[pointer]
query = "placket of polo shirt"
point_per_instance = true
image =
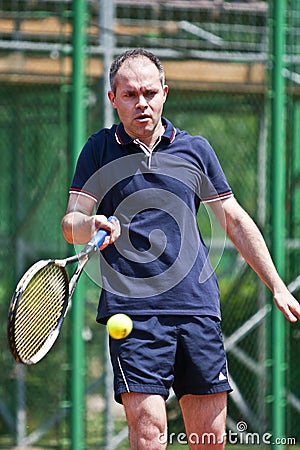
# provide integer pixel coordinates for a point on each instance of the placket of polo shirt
(148, 151)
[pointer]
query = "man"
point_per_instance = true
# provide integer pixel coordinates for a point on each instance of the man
(153, 177)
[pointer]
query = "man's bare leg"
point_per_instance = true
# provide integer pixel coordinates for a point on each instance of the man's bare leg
(147, 421)
(205, 420)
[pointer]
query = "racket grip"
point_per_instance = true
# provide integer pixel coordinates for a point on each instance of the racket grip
(99, 238)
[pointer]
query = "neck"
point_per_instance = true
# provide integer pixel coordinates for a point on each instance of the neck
(151, 139)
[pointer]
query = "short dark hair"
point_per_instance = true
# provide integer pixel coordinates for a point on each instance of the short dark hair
(131, 54)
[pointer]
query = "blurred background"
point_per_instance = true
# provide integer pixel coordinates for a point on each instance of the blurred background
(230, 81)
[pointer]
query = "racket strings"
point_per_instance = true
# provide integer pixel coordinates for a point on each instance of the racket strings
(39, 310)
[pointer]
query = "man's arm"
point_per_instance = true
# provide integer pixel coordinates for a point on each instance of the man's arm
(79, 224)
(248, 240)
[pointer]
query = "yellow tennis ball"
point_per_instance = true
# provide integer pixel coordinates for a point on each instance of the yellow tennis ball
(119, 326)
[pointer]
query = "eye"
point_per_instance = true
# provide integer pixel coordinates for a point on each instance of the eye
(150, 93)
(128, 94)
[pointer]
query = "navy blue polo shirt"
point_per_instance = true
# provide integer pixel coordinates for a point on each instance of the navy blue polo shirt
(160, 264)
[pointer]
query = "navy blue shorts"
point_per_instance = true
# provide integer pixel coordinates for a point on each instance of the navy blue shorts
(162, 352)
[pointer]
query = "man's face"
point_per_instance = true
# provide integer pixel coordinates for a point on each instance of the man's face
(139, 98)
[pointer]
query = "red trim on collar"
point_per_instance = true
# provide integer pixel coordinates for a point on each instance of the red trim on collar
(118, 137)
(173, 135)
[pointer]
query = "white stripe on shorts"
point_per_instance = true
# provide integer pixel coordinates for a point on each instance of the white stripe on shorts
(123, 375)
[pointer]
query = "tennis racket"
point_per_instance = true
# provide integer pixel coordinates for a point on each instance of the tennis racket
(41, 301)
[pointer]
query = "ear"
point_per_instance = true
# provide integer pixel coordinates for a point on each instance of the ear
(166, 90)
(111, 97)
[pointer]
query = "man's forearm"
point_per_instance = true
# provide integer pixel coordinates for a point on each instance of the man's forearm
(250, 243)
(248, 240)
(77, 227)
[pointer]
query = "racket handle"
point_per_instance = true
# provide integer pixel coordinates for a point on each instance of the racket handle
(99, 238)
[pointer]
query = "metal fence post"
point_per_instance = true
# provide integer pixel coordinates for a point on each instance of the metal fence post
(107, 39)
(278, 167)
(77, 139)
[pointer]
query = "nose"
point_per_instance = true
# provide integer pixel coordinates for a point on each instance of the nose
(142, 102)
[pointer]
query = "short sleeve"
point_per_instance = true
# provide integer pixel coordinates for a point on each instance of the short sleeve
(85, 178)
(213, 184)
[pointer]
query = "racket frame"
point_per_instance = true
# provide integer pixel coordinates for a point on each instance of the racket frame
(81, 258)
(20, 289)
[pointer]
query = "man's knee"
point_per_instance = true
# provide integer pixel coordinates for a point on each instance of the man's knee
(205, 420)
(146, 418)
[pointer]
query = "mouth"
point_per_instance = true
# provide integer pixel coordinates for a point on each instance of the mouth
(142, 118)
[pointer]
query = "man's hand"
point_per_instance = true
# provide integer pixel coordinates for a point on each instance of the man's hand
(288, 305)
(113, 227)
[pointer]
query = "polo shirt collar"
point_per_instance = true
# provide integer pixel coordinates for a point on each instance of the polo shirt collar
(124, 139)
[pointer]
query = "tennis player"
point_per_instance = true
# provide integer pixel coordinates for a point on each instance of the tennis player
(154, 177)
